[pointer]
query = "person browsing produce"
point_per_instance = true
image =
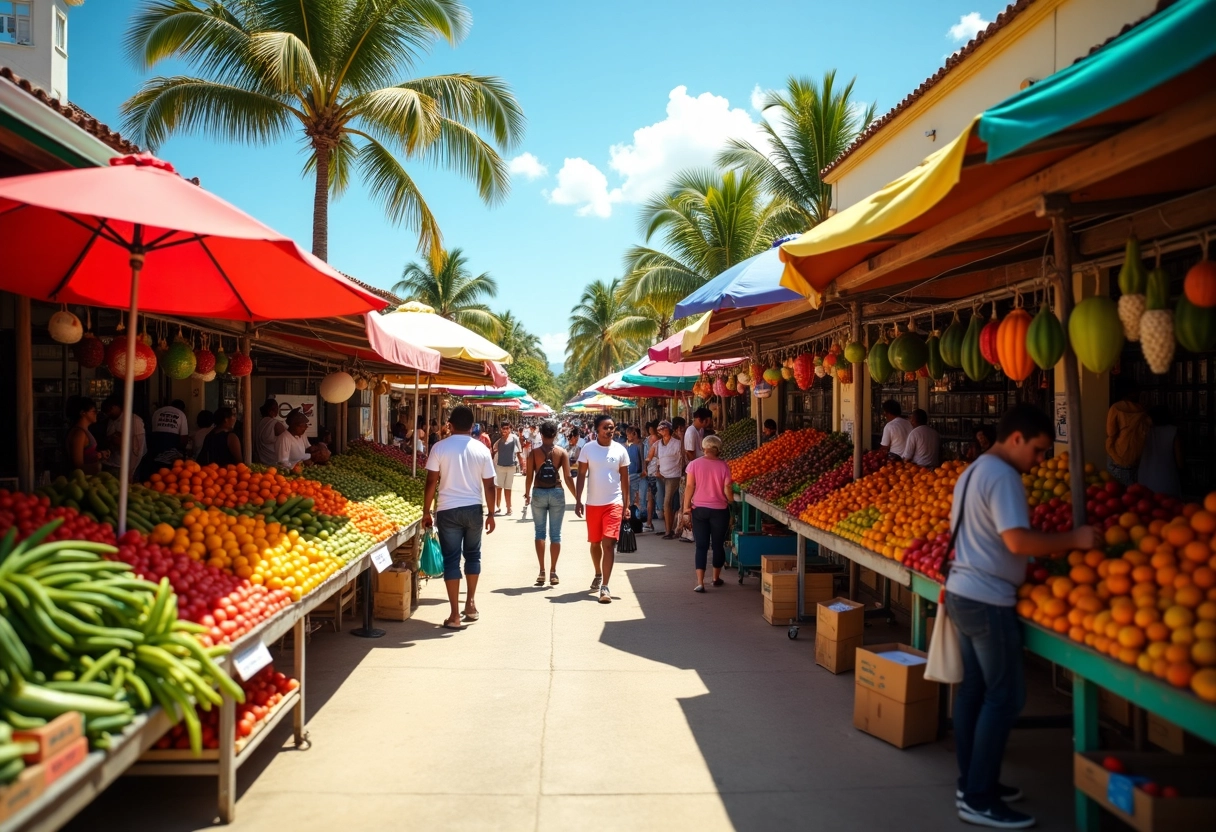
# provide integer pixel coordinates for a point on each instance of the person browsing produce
(991, 520)
(82, 445)
(603, 469)
(707, 498)
(923, 446)
(290, 447)
(668, 452)
(547, 466)
(895, 432)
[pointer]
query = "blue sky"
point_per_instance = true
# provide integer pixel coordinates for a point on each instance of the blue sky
(618, 97)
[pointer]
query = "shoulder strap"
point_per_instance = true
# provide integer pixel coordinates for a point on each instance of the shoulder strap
(962, 508)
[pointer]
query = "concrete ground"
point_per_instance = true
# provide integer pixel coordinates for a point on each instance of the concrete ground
(664, 710)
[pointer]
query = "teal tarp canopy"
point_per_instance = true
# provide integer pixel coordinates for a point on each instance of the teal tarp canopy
(1166, 45)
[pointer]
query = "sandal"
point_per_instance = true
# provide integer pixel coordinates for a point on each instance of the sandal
(718, 582)
(699, 588)
(448, 625)
(553, 579)
(540, 579)
(471, 616)
(596, 581)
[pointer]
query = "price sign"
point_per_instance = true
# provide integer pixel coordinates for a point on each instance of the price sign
(381, 559)
(250, 661)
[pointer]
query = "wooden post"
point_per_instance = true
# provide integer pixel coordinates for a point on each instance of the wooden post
(1072, 380)
(25, 394)
(247, 406)
(858, 390)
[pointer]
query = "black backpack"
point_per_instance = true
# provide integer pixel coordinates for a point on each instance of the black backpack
(546, 474)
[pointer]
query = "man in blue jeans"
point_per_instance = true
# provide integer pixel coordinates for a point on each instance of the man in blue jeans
(993, 539)
(461, 468)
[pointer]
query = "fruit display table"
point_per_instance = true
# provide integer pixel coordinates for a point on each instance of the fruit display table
(223, 763)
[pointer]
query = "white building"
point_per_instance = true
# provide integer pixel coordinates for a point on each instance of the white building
(34, 42)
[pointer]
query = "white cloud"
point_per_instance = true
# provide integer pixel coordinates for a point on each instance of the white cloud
(757, 99)
(581, 183)
(968, 26)
(527, 166)
(692, 134)
(554, 345)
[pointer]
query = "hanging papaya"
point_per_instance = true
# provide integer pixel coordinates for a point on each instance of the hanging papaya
(855, 353)
(878, 363)
(1199, 285)
(1045, 339)
(1011, 345)
(975, 364)
(988, 342)
(804, 371)
(908, 352)
(934, 364)
(952, 343)
(1096, 334)
(1194, 326)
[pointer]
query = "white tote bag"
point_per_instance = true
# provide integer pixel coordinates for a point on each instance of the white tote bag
(945, 663)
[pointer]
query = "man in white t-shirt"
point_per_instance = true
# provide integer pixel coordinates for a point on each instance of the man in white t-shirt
(895, 434)
(269, 428)
(167, 441)
(461, 469)
(291, 447)
(923, 445)
(702, 419)
(112, 409)
(603, 469)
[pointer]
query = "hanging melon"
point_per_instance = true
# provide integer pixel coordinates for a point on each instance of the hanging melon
(221, 361)
(952, 343)
(1157, 324)
(934, 365)
(1194, 326)
(1011, 345)
(773, 376)
(204, 361)
(65, 327)
(1096, 334)
(90, 352)
(116, 359)
(239, 365)
(804, 371)
(1045, 339)
(180, 361)
(787, 373)
(855, 352)
(988, 337)
(908, 352)
(878, 363)
(1199, 285)
(975, 364)
(1132, 281)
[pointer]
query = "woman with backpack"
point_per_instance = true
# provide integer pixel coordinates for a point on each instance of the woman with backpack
(546, 466)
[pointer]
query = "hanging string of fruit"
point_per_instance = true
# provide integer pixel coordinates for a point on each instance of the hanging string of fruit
(1011, 349)
(908, 353)
(90, 352)
(975, 364)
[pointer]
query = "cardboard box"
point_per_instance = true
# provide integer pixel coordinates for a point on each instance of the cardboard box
(53, 737)
(902, 724)
(1192, 775)
(394, 580)
(1114, 707)
(783, 586)
(779, 614)
(838, 625)
(1167, 735)
(23, 791)
(778, 563)
(836, 656)
(895, 671)
(66, 760)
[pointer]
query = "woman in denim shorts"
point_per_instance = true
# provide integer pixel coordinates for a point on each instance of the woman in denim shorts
(546, 466)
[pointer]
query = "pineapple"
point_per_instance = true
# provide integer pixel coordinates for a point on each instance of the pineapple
(1131, 308)
(1157, 339)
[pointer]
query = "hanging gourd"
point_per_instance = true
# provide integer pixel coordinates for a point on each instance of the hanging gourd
(90, 352)
(878, 363)
(116, 358)
(337, 387)
(382, 389)
(988, 339)
(855, 352)
(804, 371)
(1194, 326)
(975, 364)
(908, 352)
(773, 376)
(1157, 323)
(239, 365)
(65, 327)
(762, 389)
(1199, 285)
(1096, 334)
(361, 383)
(180, 361)
(1132, 283)
(934, 365)
(204, 361)
(221, 361)
(1045, 339)
(1011, 345)
(952, 343)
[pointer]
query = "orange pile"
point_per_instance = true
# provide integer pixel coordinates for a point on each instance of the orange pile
(858, 494)
(1153, 607)
(772, 455)
(370, 519)
(236, 485)
(916, 506)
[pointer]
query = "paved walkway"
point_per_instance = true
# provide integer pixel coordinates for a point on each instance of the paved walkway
(664, 710)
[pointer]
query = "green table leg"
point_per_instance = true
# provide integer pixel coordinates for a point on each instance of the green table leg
(1085, 738)
(919, 606)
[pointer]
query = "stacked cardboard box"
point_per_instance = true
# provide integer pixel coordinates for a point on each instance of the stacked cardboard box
(394, 594)
(1121, 794)
(892, 699)
(779, 588)
(839, 623)
(62, 745)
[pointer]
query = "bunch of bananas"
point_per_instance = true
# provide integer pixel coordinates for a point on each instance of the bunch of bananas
(80, 633)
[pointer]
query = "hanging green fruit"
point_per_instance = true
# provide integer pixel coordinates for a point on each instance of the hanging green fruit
(221, 361)
(1045, 339)
(934, 366)
(1157, 324)
(855, 352)
(179, 360)
(975, 365)
(878, 363)
(1132, 282)
(1194, 326)
(1096, 334)
(908, 353)
(952, 343)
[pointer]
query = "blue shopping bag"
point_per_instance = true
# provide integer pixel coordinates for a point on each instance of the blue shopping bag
(431, 562)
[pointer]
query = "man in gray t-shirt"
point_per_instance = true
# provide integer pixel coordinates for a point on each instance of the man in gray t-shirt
(507, 452)
(992, 543)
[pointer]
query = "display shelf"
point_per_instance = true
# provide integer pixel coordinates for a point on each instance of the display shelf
(76, 789)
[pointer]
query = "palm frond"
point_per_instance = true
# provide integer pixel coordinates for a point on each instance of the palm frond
(390, 184)
(285, 61)
(399, 116)
(164, 105)
(214, 39)
(479, 101)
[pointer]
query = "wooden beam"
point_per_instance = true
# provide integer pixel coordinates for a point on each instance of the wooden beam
(1062, 240)
(1192, 211)
(1159, 136)
(247, 406)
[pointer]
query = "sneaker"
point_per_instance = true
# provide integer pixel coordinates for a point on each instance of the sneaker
(998, 816)
(1009, 794)
(595, 582)
(605, 594)
(647, 527)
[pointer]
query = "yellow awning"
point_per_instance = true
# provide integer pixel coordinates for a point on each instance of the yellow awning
(893, 206)
(695, 334)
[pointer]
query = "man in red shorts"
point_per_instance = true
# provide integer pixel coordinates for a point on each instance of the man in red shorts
(603, 467)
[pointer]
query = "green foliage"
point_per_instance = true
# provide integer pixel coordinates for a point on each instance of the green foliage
(606, 332)
(534, 376)
(451, 290)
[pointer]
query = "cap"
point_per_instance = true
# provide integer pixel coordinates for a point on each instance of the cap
(665, 424)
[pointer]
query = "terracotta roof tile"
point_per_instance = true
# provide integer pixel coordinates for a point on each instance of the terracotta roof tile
(73, 114)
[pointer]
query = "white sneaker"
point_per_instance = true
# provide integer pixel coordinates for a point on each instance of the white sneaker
(605, 594)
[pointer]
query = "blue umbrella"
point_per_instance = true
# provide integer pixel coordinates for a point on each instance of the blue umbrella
(754, 282)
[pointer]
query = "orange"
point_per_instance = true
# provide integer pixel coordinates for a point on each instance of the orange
(1166, 575)
(1179, 534)
(1061, 587)
(1083, 574)
(1144, 574)
(1094, 558)
(1156, 650)
(1156, 631)
(1162, 558)
(1160, 666)
(1116, 535)
(1076, 633)
(1209, 502)
(1196, 552)
(1149, 543)
(1179, 674)
(1203, 682)
(1183, 635)
(1177, 616)
(1188, 596)
(1145, 663)
(1146, 616)
(1131, 636)
(1118, 567)
(1177, 653)
(1026, 608)
(1128, 519)
(1089, 603)
(1119, 584)
(1203, 653)
(1054, 607)
(1128, 655)
(1060, 625)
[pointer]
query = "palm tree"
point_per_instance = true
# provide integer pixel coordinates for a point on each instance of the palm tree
(709, 220)
(330, 71)
(452, 291)
(604, 334)
(812, 127)
(517, 340)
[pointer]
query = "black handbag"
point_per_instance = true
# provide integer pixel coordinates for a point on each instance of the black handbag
(628, 541)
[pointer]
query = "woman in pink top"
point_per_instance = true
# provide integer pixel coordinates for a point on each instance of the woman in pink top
(707, 498)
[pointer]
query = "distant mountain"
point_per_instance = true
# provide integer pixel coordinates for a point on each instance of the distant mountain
(556, 367)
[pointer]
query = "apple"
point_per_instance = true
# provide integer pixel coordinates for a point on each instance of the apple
(1114, 764)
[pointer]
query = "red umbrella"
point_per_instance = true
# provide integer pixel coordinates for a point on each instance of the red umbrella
(73, 234)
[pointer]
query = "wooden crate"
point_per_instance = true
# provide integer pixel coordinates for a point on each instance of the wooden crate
(339, 604)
